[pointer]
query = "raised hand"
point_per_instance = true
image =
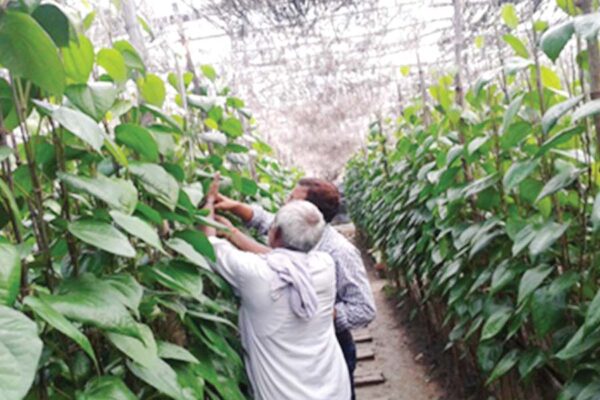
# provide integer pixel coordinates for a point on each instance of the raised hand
(224, 203)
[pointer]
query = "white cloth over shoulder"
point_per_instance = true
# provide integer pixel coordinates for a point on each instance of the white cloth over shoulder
(354, 305)
(293, 271)
(287, 357)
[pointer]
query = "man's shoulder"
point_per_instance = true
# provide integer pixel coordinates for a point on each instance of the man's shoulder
(321, 256)
(334, 242)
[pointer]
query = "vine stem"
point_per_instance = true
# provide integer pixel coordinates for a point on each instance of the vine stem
(37, 207)
(7, 172)
(64, 192)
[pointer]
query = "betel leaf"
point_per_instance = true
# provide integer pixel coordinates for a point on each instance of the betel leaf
(152, 89)
(60, 323)
(128, 291)
(142, 350)
(54, 22)
(511, 112)
(515, 134)
(495, 322)
(190, 382)
(187, 250)
(209, 72)
(160, 376)
(547, 309)
(556, 38)
(554, 113)
(195, 192)
(27, 51)
(518, 172)
(476, 144)
(558, 182)
(78, 59)
(103, 236)
(545, 236)
(20, 351)
(130, 55)
(199, 241)
(592, 317)
(173, 352)
(94, 99)
(531, 280)
(482, 241)
(590, 392)
(149, 213)
(504, 365)
(106, 387)
(119, 194)
(549, 78)
(10, 274)
(182, 279)
(96, 302)
(80, 125)
(529, 361)
(9, 196)
(590, 108)
(214, 137)
(479, 185)
(157, 182)
(186, 78)
(579, 344)
(113, 63)
(517, 45)
(138, 228)
(117, 152)
(232, 127)
(509, 15)
(558, 139)
(139, 139)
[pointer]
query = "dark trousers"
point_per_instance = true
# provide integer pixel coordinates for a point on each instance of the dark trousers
(349, 349)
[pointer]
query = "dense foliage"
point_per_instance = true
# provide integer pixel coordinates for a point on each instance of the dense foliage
(106, 287)
(488, 213)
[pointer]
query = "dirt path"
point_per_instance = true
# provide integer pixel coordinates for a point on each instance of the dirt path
(406, 377)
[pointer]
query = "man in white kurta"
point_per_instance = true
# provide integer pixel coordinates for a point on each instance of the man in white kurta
(288, 356)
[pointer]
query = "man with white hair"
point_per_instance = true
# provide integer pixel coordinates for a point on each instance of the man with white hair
(287, 297)
(354, 304)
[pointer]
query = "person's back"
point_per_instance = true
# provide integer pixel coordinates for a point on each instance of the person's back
(287, 357)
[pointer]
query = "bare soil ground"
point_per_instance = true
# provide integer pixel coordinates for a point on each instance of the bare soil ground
(404, 353)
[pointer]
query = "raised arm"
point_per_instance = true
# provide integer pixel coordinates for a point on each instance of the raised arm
(213, 191)
(242, 210)
(252, 215)
(239, 239)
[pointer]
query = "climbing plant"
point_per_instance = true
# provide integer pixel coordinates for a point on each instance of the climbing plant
(106, 285)
(488, 214)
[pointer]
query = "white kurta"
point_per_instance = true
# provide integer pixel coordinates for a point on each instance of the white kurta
(287, 358)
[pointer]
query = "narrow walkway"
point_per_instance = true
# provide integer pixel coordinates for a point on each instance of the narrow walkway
(405, 377)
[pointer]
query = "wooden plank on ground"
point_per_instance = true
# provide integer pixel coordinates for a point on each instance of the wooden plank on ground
(365, 353)
(363, 336)
(374, 378)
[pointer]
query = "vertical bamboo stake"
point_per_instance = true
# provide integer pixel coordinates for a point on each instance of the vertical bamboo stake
(458, 51)
(594, 62)
(426, 115)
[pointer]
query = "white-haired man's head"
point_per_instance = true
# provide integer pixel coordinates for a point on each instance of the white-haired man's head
(298, 226)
